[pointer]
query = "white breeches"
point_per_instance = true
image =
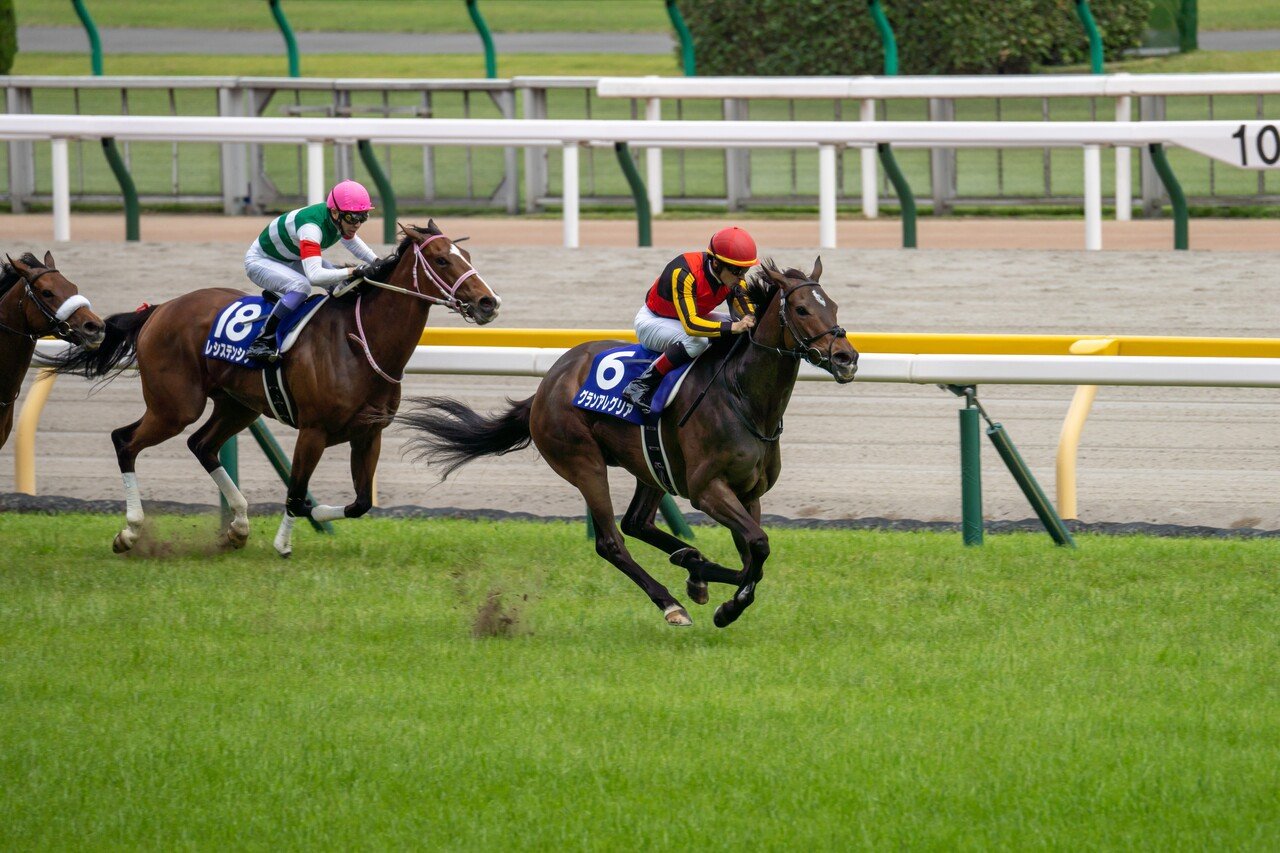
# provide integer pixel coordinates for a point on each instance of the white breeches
(277, 276)
(658, 333)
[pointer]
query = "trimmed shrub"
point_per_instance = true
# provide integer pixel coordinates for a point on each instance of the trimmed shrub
(8, 36)
(786, 37)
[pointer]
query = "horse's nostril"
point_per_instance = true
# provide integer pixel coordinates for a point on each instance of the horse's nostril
(487, 305)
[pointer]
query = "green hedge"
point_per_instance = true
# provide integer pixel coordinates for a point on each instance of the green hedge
(783, 37)
(8, 36)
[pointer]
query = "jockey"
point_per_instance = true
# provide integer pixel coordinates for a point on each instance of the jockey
(285, 259)
(677, 317)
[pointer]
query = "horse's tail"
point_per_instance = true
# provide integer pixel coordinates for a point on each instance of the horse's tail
(449, 432)
(117, 351)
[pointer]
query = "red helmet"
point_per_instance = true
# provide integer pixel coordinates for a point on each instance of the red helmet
(733, 246)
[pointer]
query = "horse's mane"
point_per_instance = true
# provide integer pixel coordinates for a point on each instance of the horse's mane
(761, 288)
(382, 267)
(9, 275)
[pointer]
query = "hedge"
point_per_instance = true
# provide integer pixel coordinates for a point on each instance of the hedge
(785, 37)
(8, 36)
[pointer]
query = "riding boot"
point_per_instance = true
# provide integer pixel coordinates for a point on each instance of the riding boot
(640, 391)
(263, 347)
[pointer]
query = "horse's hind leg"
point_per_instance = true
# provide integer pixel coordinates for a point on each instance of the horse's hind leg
(228, 418)
(638, 522)
(129, 441)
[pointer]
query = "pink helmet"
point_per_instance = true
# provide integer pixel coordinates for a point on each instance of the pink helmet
(349, 196)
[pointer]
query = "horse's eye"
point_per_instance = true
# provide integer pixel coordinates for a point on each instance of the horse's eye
(442, 262)
(802, 311)
(47, 294)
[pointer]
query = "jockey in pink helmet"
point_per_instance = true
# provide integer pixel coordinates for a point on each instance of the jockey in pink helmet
(286, 260)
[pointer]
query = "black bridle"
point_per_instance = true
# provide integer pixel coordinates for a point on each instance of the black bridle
(60, 328)
(804, 348)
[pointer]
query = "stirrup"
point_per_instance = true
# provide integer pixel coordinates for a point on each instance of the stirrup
(260, 350)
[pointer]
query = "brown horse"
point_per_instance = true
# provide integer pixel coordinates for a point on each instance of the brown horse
(724, 459)
(345, 384)
(45, 304)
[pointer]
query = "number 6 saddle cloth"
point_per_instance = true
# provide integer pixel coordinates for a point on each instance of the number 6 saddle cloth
(611, 370)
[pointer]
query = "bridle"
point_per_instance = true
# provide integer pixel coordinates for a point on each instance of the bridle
(804, 348)
(58, 324)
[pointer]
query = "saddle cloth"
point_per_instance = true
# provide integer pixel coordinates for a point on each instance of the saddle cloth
(611, 370)
(239, 322)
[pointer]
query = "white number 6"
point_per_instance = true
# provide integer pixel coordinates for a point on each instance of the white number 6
(610, 371)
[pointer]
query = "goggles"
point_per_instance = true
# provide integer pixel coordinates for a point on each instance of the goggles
(353, 218)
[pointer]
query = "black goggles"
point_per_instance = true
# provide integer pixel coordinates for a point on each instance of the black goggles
(353, 218)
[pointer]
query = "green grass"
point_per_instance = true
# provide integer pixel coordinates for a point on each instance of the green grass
(416, 16)
(887, 690)
(1238, 15)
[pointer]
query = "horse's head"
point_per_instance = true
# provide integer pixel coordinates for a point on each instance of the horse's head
(807, 324)
(50, 304)
(448, 268)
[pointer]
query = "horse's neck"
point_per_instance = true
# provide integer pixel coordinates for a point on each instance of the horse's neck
(764, 377)
(393, 322)
(15, 349)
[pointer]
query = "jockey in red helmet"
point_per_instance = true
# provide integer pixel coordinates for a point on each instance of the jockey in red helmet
(677, 318)
(285, 258)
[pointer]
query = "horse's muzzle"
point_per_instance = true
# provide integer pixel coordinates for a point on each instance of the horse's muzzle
(485, 309)
(844, 365)
(91, 335)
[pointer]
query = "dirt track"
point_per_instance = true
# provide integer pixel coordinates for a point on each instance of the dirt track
(1187, 456)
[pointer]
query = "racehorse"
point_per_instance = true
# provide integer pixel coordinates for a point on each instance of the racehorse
(345, 383)
(45, 304)
(724, 459)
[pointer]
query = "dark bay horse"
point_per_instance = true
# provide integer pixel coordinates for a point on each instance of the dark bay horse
(36, 300)
(344, 375)
(724, 458)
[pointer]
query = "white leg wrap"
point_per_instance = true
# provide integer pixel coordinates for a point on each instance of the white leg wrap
(284, 536)
(235, 499)
(132, 500)
(328, 513)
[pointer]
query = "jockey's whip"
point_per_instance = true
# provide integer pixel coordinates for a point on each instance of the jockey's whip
(723, 362)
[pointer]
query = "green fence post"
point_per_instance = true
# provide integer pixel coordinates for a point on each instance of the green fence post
(906, 198)
(127, 189)
(290, 43)
(1188, 26)
(643, 216)
(275, 455)
(688, 60)
(675, 519)
(1027, 482)
(1176, 198)
(887, 41)
(970, 474)
(91, 29)
(1095, 38)
(229, 456)
(490, 55)
(386, 195)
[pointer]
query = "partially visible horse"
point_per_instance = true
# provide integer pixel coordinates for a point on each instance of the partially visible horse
(724, 459)
(344, 376)
(45, 304)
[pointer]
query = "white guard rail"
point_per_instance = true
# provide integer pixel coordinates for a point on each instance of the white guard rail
(1249, 144)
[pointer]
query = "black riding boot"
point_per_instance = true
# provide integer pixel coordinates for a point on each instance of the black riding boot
(263, 347)
(639, 391)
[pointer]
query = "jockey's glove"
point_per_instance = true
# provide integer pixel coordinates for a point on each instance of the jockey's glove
(361, 271)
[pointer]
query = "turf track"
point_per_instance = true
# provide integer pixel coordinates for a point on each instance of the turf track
(888, 689)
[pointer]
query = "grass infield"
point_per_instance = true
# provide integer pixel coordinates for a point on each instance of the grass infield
(461, 685)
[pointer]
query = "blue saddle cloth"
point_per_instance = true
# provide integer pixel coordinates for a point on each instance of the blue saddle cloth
(611, 370)
(238, 324)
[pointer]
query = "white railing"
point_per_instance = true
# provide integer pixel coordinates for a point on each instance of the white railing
(1251, 144)
(1122, 87)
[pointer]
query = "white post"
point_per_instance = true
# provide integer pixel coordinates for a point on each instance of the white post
(827, 196)
(870, 177)
(315, 172)
(61, 191)
(1092, 198)
(570, 193)
(1124, 177)
(653, 159)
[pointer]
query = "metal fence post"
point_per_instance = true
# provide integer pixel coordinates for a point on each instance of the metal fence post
(970, 474)
(942, 161)
(737, 161)
(1151, 108)
(22, 155)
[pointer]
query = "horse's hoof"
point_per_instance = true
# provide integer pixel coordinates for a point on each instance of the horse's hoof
(697, 591)
(724, 617)
(677, 616)
(124, 540)
(285, 553)
(234, 539)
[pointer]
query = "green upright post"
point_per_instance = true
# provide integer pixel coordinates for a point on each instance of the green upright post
(1027, 482)
(229, 456)
(687, 57)
(275, 455)
(970, 474)
(1095, 38)
(490, 55)
(643, 215)
(290, 43)
(1176, 198)
(127, 189)
(906, 198)
(675, 519)
(386, 195)
(91, 29)
(1188, 26)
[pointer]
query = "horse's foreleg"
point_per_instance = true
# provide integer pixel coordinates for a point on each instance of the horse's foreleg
(718, 501)
(228, 418)
(639, 522)
(306, 456)
(364, 461)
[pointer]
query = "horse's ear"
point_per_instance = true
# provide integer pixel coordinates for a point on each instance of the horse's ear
(431, 227)
(17, 264)
(817, 269)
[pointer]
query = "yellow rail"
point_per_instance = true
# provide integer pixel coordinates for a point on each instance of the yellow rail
(894, 342)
